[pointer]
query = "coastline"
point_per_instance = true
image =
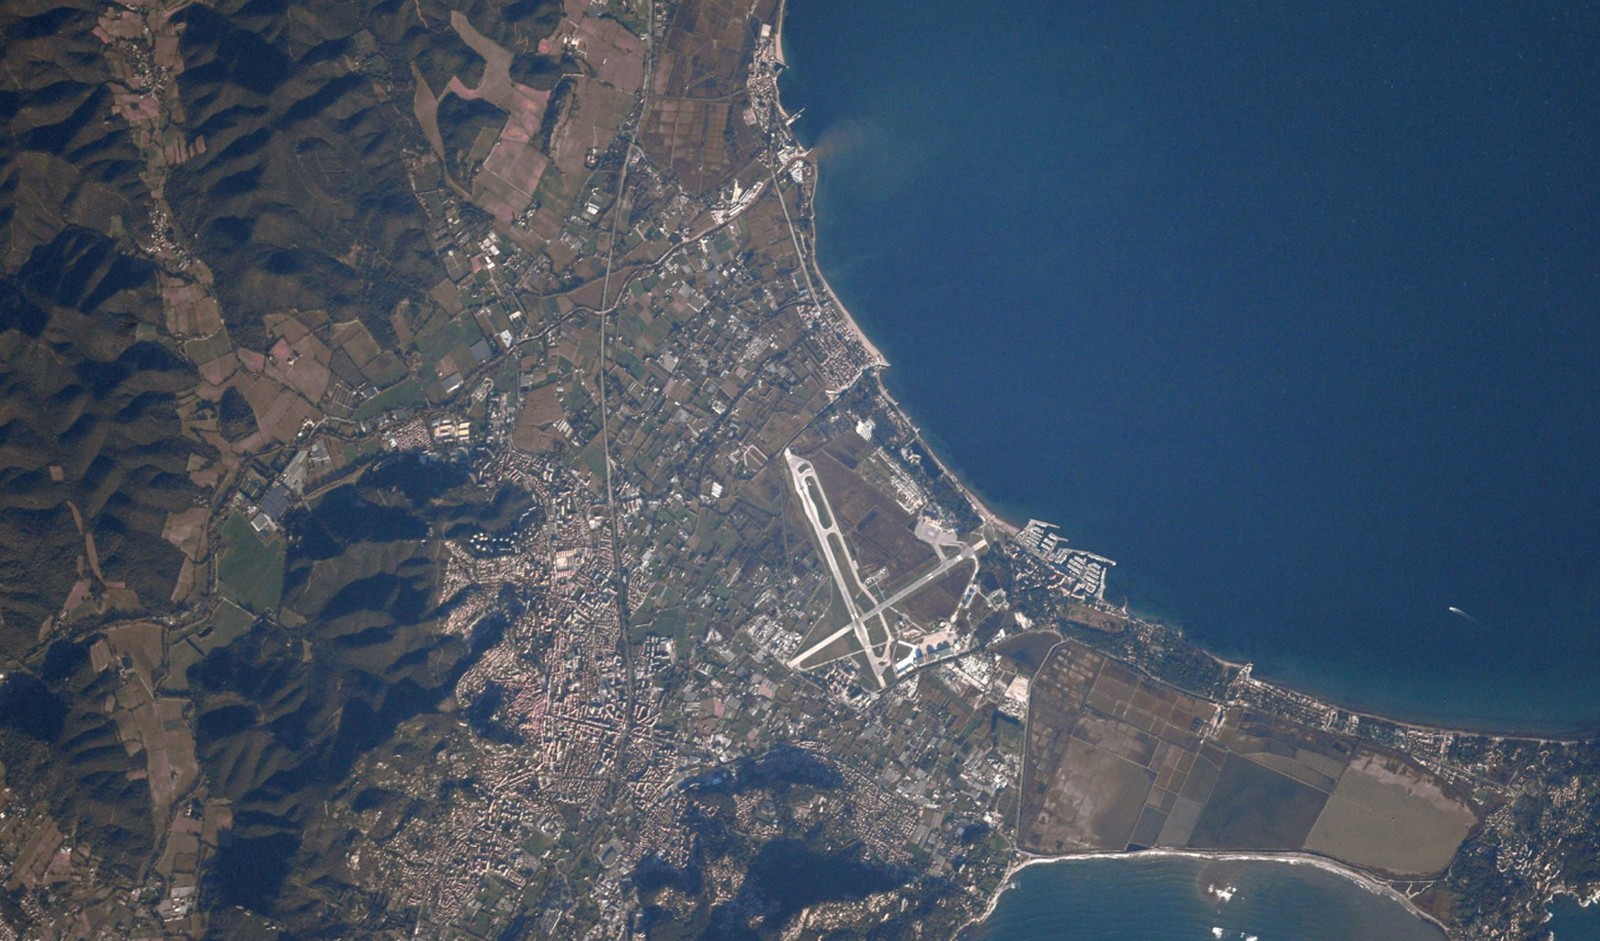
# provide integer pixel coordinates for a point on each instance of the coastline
(989, 516)
(1021, 860)
(1470, 726)
(1365, 880)
(1333, 670)
(879, 361)
(777, 46)
(1009, 527)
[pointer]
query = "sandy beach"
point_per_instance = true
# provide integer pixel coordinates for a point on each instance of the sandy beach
(879, 361)
(811, 262)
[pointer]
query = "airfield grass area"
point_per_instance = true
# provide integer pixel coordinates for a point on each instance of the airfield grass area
(820, 505)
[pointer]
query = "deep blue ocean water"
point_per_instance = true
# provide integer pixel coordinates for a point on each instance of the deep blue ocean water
(1172, 900)
(1293, 309)
(1572, 922)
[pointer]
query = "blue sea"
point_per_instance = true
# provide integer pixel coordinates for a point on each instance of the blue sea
(1194, 900)
(1293, 309)
(1572, 922)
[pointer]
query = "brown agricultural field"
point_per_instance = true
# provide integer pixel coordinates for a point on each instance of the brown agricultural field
(1388, 814)
(1115, 760)
(695, 124)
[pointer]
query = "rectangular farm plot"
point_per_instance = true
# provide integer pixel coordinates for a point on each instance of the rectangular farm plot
(1094, 787)
(1148, 830)
(509, 178)
(1092, 802)
(1180, 823)
(251, 569)
(1117, 759)
(1387, 814)
(1118, 738)
(1254, 807)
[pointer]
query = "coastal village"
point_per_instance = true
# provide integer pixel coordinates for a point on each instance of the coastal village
(663, 610)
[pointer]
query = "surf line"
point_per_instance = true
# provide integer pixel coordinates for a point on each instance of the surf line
(1369, 882)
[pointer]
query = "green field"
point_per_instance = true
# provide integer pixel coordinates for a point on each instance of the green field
(405, 392)
(228, 624)
(251, 570)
